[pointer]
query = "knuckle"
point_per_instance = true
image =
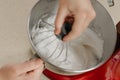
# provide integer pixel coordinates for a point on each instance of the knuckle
(87, 13)
(84, 14)
(92, 14)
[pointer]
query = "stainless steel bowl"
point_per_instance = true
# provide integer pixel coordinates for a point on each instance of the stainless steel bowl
(102, 23)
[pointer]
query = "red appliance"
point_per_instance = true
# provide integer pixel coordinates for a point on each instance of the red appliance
(109, 71)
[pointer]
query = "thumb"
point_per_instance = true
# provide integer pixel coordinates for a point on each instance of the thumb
(29, 66)
(60, 18)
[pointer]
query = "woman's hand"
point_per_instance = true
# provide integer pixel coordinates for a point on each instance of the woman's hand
(82, 12)
(30, 70)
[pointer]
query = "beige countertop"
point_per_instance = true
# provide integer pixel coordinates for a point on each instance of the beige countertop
(14, 43)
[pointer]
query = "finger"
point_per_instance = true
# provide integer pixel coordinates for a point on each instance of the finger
(78, 27)
(35, 75)
(60, 19)
(37, 71)
(28, 66)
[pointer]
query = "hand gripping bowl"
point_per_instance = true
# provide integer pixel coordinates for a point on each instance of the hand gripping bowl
(102, 24)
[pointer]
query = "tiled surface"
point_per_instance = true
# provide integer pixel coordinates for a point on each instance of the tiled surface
(14, 43)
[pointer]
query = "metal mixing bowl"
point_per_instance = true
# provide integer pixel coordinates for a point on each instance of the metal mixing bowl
(102, 23)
